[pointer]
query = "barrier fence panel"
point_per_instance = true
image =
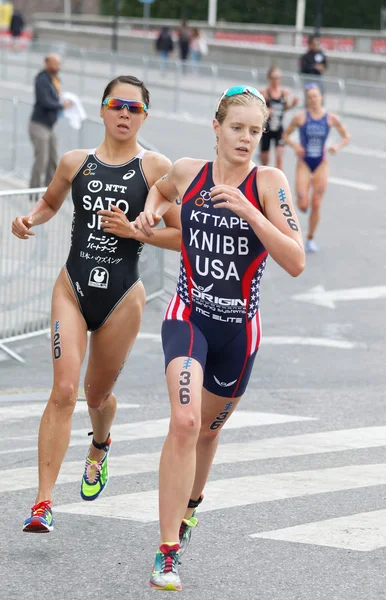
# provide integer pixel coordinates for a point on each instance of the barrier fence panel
(28, 268)
(184, 88)
(16, 152)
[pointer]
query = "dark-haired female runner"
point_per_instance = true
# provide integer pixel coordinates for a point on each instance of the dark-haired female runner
(99, 288)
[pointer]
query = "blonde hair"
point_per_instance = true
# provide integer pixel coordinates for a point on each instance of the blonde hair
(245, 99)
(272, 69)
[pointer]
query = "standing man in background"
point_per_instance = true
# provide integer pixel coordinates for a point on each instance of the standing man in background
(313, 63)
(44, 116)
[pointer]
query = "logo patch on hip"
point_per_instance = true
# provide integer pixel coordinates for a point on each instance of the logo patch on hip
(99, 277)
(222, 383)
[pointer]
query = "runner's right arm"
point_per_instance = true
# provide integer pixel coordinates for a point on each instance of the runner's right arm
(53, 197)
(295, 123)
(162, 195)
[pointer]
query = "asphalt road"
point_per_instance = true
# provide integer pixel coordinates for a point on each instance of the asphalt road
(301, 469)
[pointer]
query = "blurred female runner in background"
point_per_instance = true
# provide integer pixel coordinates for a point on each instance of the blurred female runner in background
(99, 289)
(277, 99)
(233, 215)
(314, 125)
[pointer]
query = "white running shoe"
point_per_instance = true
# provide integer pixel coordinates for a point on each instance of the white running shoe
(311, 246)
(165, 571)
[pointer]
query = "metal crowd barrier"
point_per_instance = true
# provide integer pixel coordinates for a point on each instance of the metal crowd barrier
(186, 88)
(16, 152)
(28, 268)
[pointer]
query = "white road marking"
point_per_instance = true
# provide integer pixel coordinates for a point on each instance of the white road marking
(328, 298)
(27, 411)
(299, 445)
(357, 185)
(309, 341)
(362, 532)
(365, 151)
(281, 340)
(160, 427)
(142, 430)
(240, 491)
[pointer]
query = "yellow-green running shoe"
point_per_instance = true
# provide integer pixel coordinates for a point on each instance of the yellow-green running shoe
(165, 571)
(186, 529)
(96, 475)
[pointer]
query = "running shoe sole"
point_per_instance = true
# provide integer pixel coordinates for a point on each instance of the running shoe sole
(169, 587)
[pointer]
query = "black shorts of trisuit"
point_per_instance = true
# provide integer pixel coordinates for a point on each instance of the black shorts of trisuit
(227, 367)
(275, 136)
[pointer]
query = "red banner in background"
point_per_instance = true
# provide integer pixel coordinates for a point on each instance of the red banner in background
(255, 38)
(334, 43)
(379, 46)
(21, 42)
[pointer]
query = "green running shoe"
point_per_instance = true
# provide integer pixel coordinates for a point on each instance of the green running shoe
(186, 529)
(96, 475)
(165, 571)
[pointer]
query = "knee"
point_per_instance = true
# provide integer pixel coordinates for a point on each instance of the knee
(64, 395)
(302, 201)
(210, 432)
(96, 400)
(185, 428)
(317, 200)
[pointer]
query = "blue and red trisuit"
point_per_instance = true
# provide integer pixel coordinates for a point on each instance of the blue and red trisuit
(214, 315)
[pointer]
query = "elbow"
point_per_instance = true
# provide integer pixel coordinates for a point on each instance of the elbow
(297, 267)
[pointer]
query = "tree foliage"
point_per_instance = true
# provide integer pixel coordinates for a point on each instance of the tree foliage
(360, 14)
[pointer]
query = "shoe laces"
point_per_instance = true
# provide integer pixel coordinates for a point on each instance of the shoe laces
(38, 510)
(169, 559)
(93, 470)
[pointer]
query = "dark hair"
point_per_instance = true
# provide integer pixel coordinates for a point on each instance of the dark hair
(131, 80)
(313, 37)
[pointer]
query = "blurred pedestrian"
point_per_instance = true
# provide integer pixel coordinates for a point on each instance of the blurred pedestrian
(314, 125)
(164, 46)
(44, 116)
(16, 27)
(278, 100)
(183, 33)
(198, 47)
(313, 62)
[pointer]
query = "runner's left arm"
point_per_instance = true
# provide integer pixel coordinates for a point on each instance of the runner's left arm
(163, 194)
(334, 121)
(287, 104)
(278, 228)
